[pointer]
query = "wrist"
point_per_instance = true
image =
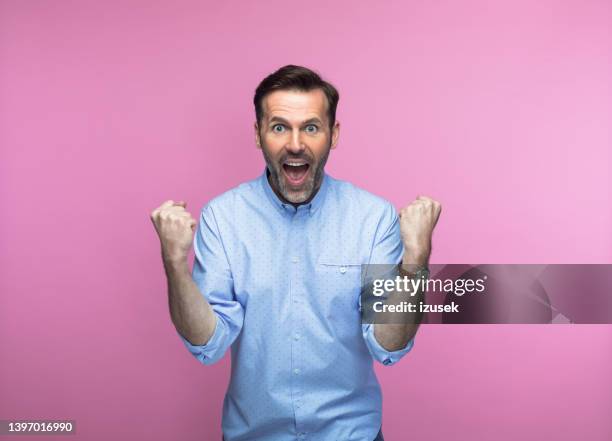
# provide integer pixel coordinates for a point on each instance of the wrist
(415, 259)
(175, 262)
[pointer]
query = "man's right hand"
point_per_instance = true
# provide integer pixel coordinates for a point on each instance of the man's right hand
(191, 313)
(175, 228)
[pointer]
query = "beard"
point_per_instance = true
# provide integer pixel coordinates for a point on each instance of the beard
(279, 182)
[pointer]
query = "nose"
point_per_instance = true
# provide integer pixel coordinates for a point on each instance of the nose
(295, 144)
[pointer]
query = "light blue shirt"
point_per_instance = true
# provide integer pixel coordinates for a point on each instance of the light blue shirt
(285, 286)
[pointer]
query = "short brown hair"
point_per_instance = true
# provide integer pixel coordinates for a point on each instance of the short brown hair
(300, 78)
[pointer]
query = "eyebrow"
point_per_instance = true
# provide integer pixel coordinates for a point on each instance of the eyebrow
(283, 120)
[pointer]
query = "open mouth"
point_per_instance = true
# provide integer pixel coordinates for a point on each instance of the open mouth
(296, 172)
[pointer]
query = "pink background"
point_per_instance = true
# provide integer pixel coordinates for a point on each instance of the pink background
(501, 112)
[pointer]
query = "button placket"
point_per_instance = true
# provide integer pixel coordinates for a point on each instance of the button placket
(296, 273)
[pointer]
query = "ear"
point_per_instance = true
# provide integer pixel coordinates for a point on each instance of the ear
(335, 134)
(257, 137)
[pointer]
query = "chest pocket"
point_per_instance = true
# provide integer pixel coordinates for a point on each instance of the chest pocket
(338, 294)
(340, 267)
(340, 281)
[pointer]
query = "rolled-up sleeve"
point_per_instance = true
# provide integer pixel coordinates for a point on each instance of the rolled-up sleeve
(379, 353)
(387, 249)
(212, 275)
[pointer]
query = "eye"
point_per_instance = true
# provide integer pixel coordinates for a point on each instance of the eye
(278, 128)
(311, 128)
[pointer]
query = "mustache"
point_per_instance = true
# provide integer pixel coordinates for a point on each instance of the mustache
(305, 157)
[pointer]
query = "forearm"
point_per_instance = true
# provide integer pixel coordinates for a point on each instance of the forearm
(396, 335)
(191, 314)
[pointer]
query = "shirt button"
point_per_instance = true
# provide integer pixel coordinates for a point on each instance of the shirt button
(296, 337)
(342, 269)
(296, 371)
(295, 260)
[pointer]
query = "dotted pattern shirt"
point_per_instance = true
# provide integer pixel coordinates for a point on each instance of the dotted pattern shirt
(284, 283)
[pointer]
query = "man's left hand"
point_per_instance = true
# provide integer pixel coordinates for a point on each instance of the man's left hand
(417, 222)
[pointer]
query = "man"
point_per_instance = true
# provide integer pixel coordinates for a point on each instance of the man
(277, 277)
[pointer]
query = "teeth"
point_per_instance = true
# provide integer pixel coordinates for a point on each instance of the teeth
(295, 164)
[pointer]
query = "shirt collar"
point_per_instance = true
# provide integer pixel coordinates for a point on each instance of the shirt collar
(287, 208)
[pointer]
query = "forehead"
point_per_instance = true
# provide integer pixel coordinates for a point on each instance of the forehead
(295, 105)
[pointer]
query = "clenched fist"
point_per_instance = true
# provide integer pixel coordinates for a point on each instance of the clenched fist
(175, 227)
(417, 222)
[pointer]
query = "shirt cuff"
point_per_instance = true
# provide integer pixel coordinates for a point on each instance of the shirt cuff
(205, 352)
(380, 354)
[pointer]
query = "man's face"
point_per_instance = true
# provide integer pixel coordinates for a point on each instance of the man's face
(295, 138)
